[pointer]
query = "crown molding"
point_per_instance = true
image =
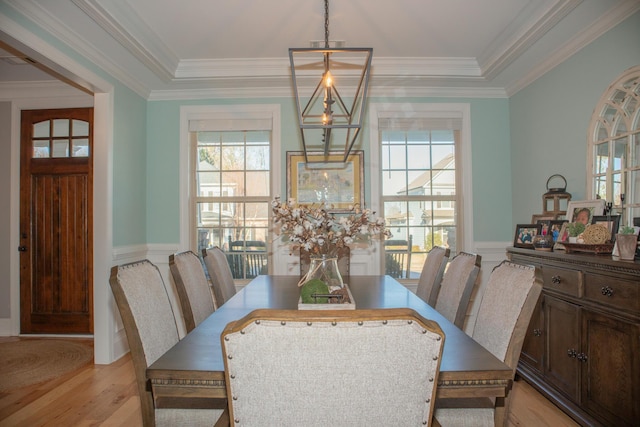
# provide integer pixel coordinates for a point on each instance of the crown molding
(575, 44)
(44, 55)
(34, 12)
(266, 91)
(427, 67)
(157, 57)
(524, 31)
(256, 78)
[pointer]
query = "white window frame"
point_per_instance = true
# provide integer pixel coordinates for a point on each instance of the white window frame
(463, 158)
(223, 112)
(631, 122)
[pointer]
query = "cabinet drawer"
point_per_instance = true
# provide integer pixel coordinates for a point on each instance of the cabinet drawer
(614, 292)
(562, 280)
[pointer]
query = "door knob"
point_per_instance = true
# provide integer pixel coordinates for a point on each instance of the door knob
(22, 248)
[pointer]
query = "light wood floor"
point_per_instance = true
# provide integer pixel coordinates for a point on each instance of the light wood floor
(106, 395)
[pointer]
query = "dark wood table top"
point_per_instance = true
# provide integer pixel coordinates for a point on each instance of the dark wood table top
(198, 356)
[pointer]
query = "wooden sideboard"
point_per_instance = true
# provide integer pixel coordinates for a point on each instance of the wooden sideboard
(582, 348)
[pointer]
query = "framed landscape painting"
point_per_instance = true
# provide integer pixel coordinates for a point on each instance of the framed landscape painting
(326, 179)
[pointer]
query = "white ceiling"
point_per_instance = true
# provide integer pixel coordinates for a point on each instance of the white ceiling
(197, 47)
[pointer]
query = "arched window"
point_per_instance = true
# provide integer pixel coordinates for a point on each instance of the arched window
(614, 146)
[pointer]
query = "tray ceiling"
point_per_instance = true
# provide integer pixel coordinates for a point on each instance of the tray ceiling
(442, 46)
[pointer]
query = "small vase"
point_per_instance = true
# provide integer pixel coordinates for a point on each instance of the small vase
(626, 246)
(326, 269)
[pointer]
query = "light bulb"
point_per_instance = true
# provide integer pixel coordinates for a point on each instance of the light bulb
(328, 79)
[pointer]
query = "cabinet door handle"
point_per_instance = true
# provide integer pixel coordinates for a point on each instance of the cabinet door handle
(537, 332)
(582, 357)
(556, 280)
(572, 353)
(607, 291)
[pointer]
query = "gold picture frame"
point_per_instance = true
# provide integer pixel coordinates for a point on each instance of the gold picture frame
(326, 179)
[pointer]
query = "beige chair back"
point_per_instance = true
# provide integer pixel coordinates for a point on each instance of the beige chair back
(431, 275)
(330, 368)
(222, 281)
(151, 330)
(457, 286)
(194, 292)
(506, 309)
(507, 305)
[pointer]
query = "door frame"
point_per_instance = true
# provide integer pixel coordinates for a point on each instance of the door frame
(60, 95)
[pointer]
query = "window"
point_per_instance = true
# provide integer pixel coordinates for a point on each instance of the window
(614, 146)
(420, 180)
(230, 154)
(61, 138)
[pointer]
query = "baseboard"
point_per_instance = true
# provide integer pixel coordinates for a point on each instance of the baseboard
(131, 253)
(120, 345)
(492, 251)
(6, 328)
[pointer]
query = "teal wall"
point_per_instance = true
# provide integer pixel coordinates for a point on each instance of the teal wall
(490, 146)
(517, 143)
(129, 148)
(163, 156)
(550, 118)
(129, 168)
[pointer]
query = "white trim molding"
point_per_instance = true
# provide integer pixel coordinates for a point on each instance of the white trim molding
(213, 112)
(400, 110)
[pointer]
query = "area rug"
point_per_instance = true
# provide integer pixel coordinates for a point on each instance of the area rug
(32, 361)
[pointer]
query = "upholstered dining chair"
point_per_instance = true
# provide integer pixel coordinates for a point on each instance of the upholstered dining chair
(431, 275)
(151, 329)
(456, 287)
(329, 368)
(220, 274)
(507, 305)
(194, 292)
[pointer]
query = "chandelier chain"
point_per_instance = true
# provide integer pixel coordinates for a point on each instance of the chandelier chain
(326, 24)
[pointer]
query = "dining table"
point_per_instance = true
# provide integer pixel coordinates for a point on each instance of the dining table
(191, 373)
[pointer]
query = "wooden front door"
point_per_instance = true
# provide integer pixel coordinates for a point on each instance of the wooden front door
(56, 199)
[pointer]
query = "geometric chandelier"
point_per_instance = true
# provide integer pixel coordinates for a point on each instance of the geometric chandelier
(330, 86)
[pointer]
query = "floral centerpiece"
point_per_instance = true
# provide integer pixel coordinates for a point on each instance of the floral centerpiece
(313, 230)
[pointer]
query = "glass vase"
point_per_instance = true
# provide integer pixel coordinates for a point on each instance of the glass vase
(326, 269)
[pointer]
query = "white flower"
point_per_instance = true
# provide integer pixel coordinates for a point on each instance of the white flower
(317, 231)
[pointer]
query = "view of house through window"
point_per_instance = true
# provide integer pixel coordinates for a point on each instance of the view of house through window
(419, 190)
(232, 200)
